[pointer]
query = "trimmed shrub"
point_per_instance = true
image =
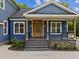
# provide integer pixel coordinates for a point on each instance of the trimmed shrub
(16, 43)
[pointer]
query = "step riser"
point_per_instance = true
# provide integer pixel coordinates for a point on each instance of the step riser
(36, 43)
(36, 46)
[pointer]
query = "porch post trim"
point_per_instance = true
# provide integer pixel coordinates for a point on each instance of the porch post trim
(75, 28)
(27, 28)
(47, 30)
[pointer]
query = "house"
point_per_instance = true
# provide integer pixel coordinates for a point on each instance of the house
(7, 8)
(43, 25)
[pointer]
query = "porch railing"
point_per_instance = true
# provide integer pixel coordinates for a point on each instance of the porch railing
(62, 36)
(69, 39)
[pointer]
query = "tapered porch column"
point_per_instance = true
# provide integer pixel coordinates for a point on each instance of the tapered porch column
(27, 28)
(75, 27)
(47, 30)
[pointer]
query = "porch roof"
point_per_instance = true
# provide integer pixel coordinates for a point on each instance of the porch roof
(51, 16)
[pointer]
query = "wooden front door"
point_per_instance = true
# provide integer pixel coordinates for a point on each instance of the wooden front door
(38, 28)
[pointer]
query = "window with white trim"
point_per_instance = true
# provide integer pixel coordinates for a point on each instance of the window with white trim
(5, 30)
(19, 27)
(56, 27)
(2, 4)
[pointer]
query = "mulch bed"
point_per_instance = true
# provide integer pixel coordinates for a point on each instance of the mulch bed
(16, 48)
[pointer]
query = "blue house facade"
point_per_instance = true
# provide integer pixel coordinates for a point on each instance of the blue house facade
(47, 22)
(7, 8)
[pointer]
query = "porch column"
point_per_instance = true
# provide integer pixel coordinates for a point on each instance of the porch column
(47, 30)
(75, 27)
(26, 28)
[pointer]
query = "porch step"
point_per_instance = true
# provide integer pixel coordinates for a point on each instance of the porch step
(36, 43)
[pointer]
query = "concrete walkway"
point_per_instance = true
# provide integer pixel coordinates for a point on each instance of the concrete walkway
(9, 54)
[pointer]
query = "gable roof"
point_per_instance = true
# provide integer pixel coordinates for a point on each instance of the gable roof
(48, 3)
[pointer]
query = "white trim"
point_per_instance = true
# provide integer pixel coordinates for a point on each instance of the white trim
(51, 2)
(47, 30)
(3, 5)
(50, 16)
(51, 27)
(1, 23)
(5, 27)
(67, 25)
(19, 28)
(17, 19)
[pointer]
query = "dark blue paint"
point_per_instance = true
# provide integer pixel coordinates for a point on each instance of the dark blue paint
(30, 29)
(58, 36)
(45, 29)
(20, 37)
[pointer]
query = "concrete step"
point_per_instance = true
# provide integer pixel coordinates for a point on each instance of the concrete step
(36, 43)
(37, 49)
(36, 46)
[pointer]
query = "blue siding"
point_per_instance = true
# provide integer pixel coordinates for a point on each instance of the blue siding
(4, 15)
(7, 12)
(20, 37)
(30, 29)
(58, 36)
(51, 9)
(1, 33)
(45, 29)
(2, 36)
(64, 29)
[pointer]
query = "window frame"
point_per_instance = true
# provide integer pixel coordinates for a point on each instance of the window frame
(3, 5)
(19, 28)
(5, 27)
(56, 29)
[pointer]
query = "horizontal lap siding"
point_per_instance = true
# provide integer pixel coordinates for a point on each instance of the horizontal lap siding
(20, 37)
(64, 29)
(4, 15)
(8, 11)
(57, 36)
(2, 36)
(51, 9)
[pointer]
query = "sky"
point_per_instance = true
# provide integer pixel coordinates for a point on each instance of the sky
(73, 4)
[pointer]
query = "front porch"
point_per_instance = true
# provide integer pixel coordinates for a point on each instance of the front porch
(45, 37)
(41, 29)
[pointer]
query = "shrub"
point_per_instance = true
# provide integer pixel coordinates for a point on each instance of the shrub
(16, 43)
(64, 46)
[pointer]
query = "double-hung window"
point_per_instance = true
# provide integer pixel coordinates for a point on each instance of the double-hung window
(56, 27)
(19, 27)
(5, 28)
(2, 4)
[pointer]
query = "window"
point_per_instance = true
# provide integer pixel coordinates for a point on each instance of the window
(5, 28)
(19, 28)
(2, 4)
(56, 27)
